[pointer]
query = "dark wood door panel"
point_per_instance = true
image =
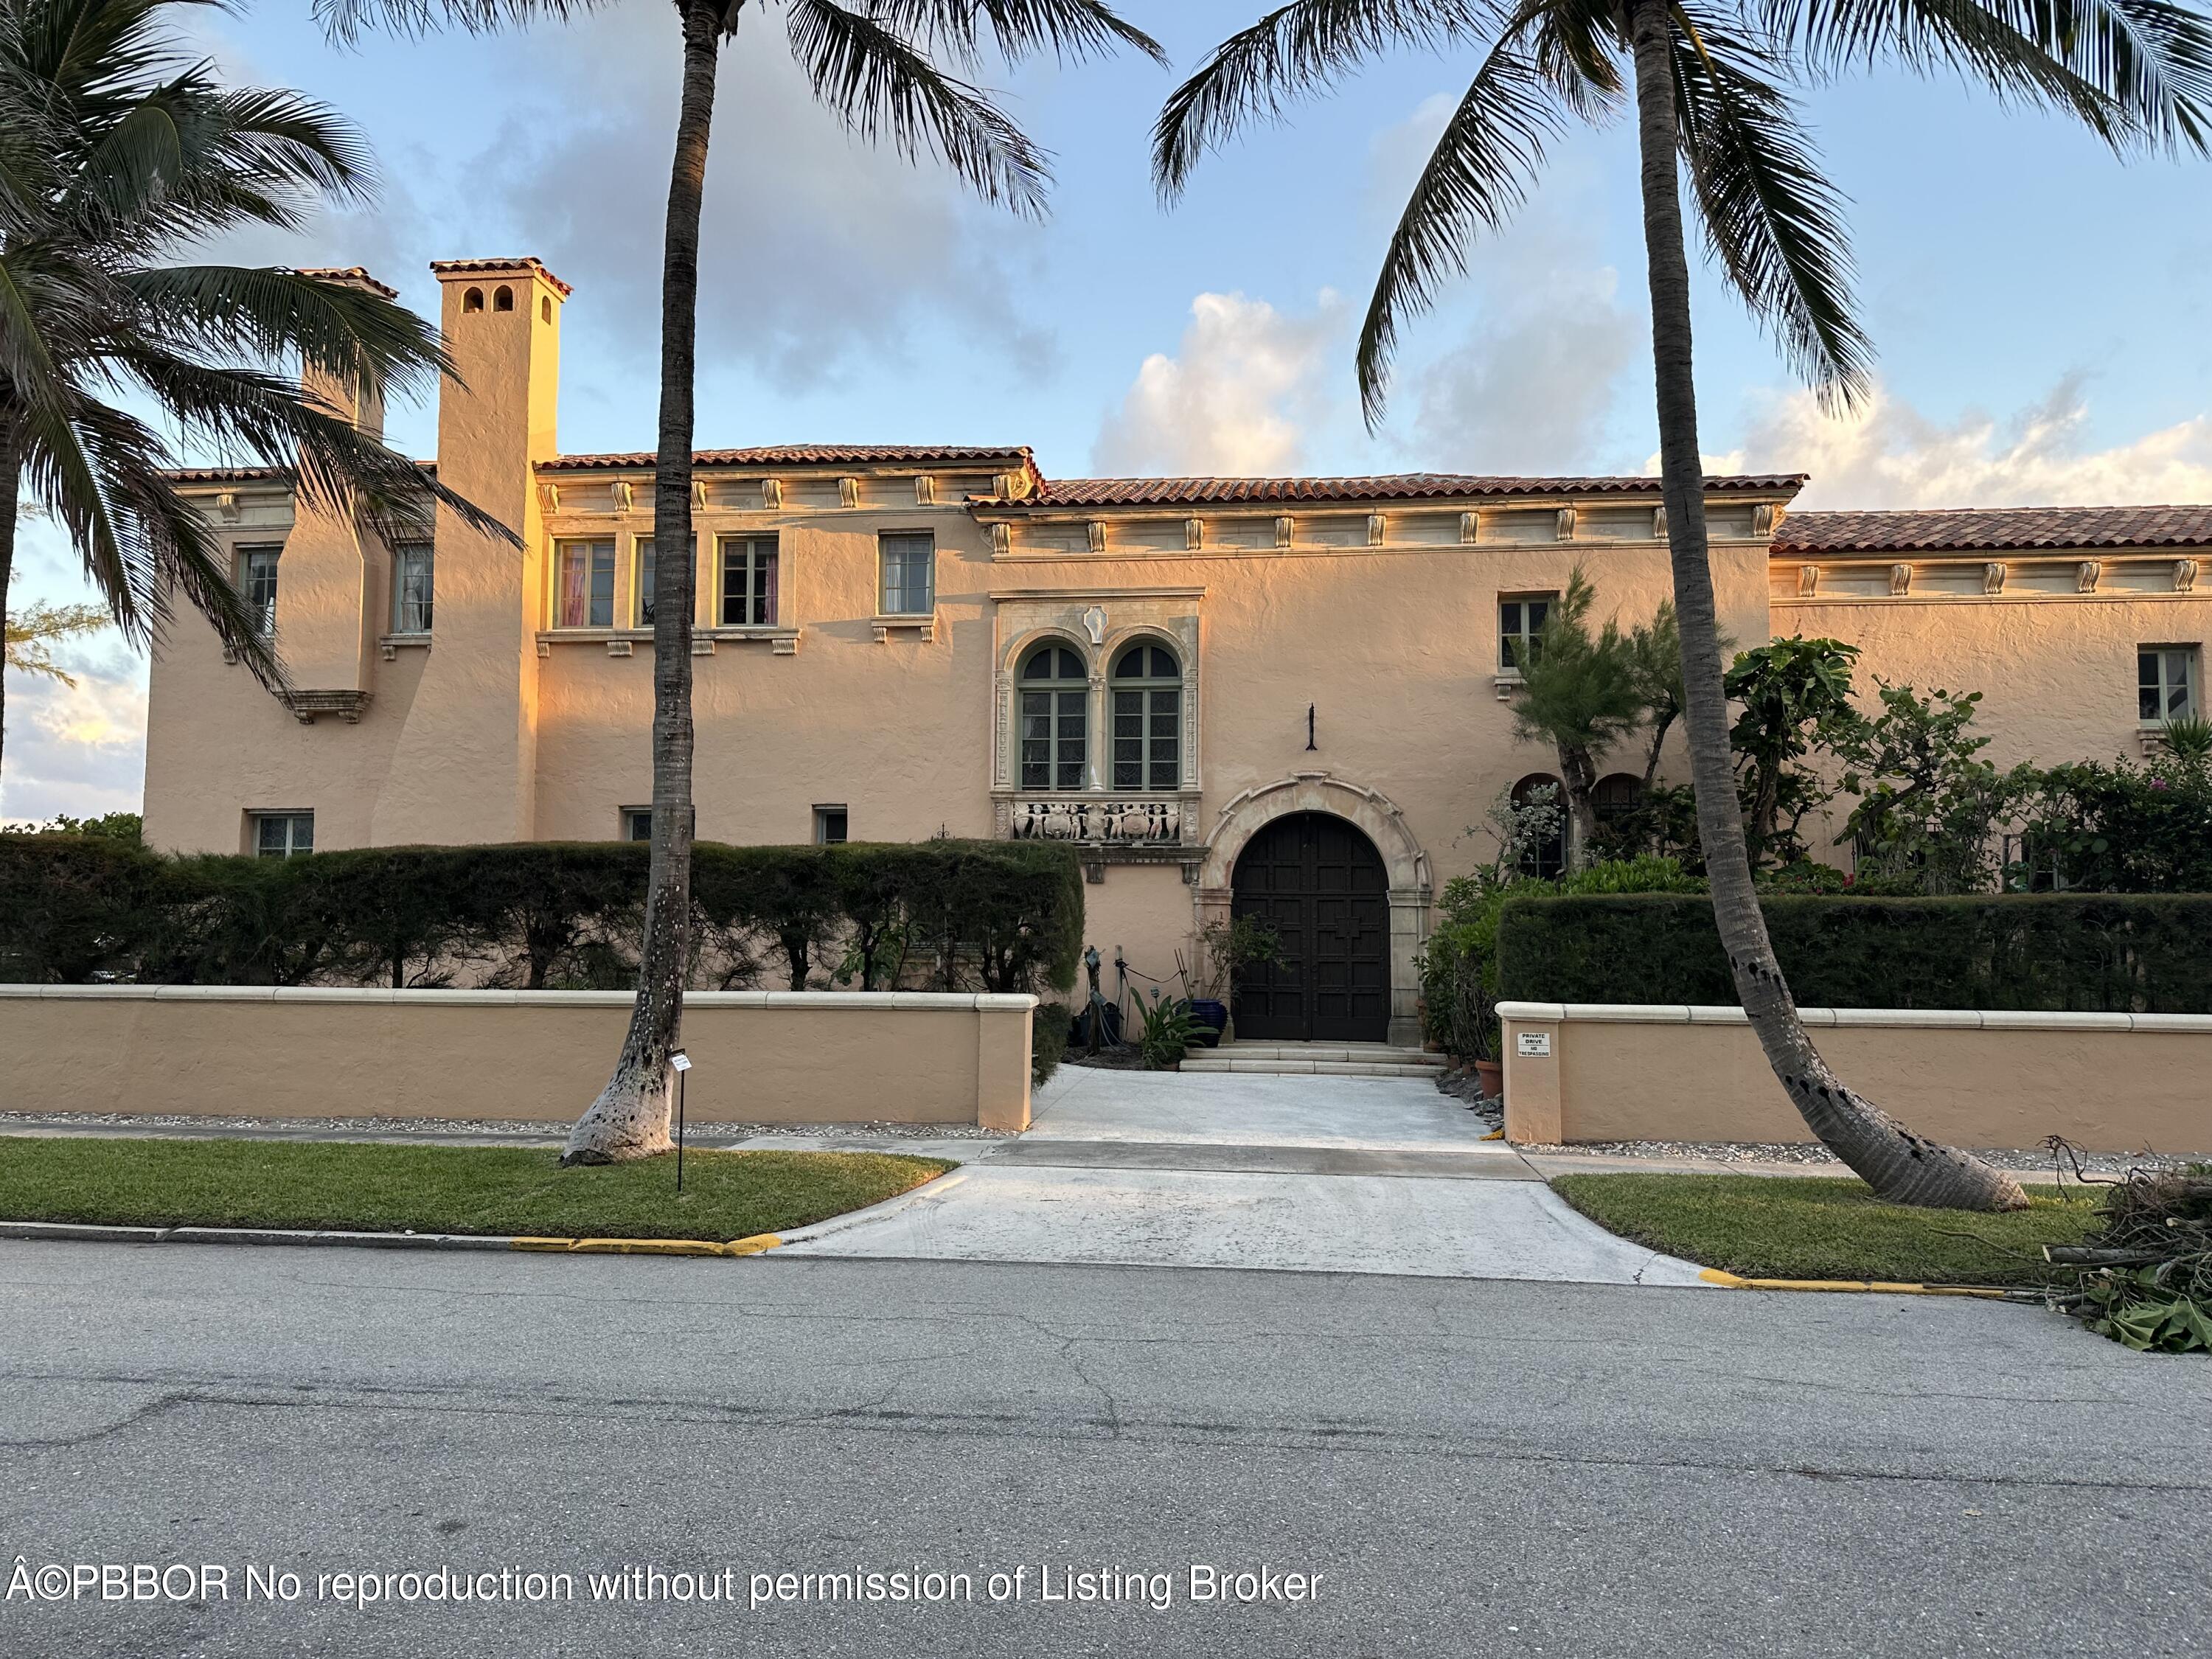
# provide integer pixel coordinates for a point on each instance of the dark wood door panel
(1320, 884)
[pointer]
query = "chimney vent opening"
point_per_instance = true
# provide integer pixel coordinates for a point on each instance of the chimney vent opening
(502, 298)
(473, 299)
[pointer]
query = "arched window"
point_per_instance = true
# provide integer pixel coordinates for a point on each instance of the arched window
(1615, 795)
(1055, 696)
(1147, 687)
(473, 300)
(503, 299)
(1543, 854)
(544, 308)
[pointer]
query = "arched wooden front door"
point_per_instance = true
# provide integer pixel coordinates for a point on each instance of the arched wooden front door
(1320, 885)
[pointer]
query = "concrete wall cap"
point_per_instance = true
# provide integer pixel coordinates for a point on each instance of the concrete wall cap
(1928, 1018)
(849, 1002)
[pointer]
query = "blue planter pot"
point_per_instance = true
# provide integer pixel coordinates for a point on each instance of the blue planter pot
(1214, 1017)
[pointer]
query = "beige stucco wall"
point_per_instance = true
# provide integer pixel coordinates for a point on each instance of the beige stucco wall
(758, 1057)
(2119, 1083)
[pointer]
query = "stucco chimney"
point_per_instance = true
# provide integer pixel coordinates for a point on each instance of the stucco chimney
(465, 768)
(363, 405)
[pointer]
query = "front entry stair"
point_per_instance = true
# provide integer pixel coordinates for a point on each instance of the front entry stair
(1316, 1059)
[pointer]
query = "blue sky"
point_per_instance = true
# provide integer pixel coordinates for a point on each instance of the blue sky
(2043, 313)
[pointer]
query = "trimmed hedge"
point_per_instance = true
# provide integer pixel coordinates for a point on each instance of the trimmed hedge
(2065, 952)
(944, 915)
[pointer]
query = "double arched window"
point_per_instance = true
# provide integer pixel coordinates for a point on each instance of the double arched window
(1055, 718)
(1146, 688)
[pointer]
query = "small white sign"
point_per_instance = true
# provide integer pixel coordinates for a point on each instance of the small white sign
(1535, 1043)
(680, 1060)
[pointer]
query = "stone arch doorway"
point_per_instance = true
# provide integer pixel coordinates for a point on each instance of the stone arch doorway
(1320, 884)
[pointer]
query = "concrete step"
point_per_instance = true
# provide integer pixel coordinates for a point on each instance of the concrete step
(1204, 1061)
(1381, 1053)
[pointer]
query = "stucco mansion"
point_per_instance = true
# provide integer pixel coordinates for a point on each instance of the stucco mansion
(1286, 695)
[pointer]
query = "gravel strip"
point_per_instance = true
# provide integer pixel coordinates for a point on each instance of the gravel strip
(2020, 1160)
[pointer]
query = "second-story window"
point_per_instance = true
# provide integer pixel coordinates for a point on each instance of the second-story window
(411, 574)
(257, 582)
(1147, 688)
(644, 549)
(2165, 684)
(1519, 623)
(584, 585)
(1055, 719)
(910, 573)
(749, 582)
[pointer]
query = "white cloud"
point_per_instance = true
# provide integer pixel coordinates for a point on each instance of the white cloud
(1889, 454)
(1240, 395)
(79, 749)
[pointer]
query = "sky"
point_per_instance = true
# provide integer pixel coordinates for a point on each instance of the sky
(2042, 312)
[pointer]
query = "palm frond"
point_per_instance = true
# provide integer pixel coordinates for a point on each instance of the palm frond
(269, 314)
(1070, 30)
(1293, 53)
(346, 21)
(881, 86)
(1772, 221)
(1477, 178)
(2133, 71)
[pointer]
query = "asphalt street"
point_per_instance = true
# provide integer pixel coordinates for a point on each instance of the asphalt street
(1470, 1468)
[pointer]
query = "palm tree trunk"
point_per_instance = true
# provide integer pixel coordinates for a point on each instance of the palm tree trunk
(1900, 1166)
(630, 1117)
(11, 500)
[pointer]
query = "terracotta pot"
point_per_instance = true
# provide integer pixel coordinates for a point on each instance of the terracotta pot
(1491, 1074)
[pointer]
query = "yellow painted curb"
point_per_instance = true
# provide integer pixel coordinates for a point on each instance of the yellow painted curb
(1717, 1276)
(752, 1245)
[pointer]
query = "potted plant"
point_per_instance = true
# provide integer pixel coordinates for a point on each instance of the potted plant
(1224, 948)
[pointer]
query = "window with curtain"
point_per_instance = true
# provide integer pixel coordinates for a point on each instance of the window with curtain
(1055, 694)
(749, 582)
(910, 573)
(2165, 684)
(644, 549)
(256, 580)
(1147, 692)
(411, 573)
(1520, 622)
(584, 585)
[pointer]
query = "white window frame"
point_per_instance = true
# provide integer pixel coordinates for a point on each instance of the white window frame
(884, 547)
(562, 547)
(644, 555)
(249, 555)
(294, 845)
(824, 812)
(1506, 665)
(754, 542)
(2188, 661)
(401, 552)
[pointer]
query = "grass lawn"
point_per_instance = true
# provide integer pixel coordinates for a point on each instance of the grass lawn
(1817, 1227)
(134, 1182)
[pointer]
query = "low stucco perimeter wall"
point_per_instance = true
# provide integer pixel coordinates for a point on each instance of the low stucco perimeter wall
(757, 1056)
(2117, 1082)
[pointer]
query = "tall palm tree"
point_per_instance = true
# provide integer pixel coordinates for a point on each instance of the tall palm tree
(889, 70)
(1710, 98)
(118, 150)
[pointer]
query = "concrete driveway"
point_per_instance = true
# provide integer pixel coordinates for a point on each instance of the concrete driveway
(1305, 1174)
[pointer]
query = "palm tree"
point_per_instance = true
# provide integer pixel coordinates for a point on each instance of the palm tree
(116, 151)
(31, 633)
(880, 68)
(1709, 100)
(1579, 693)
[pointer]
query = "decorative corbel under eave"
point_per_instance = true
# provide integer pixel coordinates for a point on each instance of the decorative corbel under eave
(924, 489)
(625, 497)
(1194, 535)
(1808, 581)
(698, 492)
(771, 492)
(1993, 576)
(1658, 524)
(549, 495)
(1764, 519)
(226, 506)
(848, 492)
(1285, 527)
(1002, 538)
(1095, 530)
(1377, 523)
(1470, 529)
(1900, 580)
(1562, 530)
(2184, 575)
(2086, 575)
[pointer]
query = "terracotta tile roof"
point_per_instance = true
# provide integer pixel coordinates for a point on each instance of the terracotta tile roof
(354, 273)
(804, 455)
(495, 267)
(1974, 529)
(1400, 486)
(195, 475)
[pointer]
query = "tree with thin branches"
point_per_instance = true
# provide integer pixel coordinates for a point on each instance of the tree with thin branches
(1709, 87)
(120, 151)
(895, 71)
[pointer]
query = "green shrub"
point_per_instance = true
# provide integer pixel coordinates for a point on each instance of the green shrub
(2057, 952)
(1048, 1028)
(998, 917)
